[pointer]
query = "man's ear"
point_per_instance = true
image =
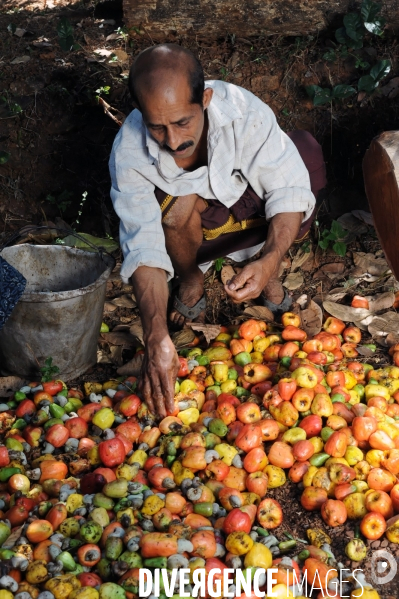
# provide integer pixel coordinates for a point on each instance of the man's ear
(208, 93)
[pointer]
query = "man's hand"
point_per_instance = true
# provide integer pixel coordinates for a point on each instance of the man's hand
(254, 277)
(160, 368)
(251, 281)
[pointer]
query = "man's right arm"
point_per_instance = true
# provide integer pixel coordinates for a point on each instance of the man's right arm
(161, 364)
(148, 266)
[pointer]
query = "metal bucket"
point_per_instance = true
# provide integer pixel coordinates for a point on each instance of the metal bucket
(60, 312)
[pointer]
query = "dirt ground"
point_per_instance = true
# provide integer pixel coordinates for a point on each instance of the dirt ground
(58, 140)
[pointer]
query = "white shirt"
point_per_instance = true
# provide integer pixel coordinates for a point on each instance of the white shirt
(245, 146)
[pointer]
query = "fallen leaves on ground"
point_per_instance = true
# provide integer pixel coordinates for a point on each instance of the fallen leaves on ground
(20, 60)
(382, 301)
(133, 367)
(293, 281)
(124, 301)
(124, 339)
(10, 384)
(260, 313)
(136, 329)
(369, 263)
(109, 245)
(300, 258)
(210, 331)
(385, 328)
(345, 313)
(312, 318)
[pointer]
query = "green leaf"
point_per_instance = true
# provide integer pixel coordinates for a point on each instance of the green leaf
(369, 10)
(367, 83)
(353, 26)
(65, 34)
(4, 157)
(380, 69)
(340, 248)
(341, 37)
(311, 90)
(324, 243)
(343, 91)
(337, 229)
(322, 97)
(108, 245)
(376, 27)
(219, 264)
(11, 28)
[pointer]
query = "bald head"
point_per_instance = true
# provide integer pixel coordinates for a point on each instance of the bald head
(161, 66)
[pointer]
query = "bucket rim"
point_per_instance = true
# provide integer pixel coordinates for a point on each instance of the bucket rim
(49, 296)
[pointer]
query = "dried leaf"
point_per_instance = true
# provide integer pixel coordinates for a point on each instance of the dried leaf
(336, 268)
(260, 313)
(113, 36)
(20, 60)
(13, 538)
(136, 329)
(336, 294)
(384, 325)
(103, 357)
(121, 55)
(121, 327)
(391, 89)
(300, 258)
(293, 281)
(19, 32)
(366, 217)
(368, 263)
(351, 223)
(120, 338)
(345, 313)
(10, 384)
(382, 301)
(103, 52)
(363, 324)
(227, 273)
(210, 331)
(124, 301)
(115, 352)
(365, 351)
(183, 338)
(312, 319)
(133, 367)
(108, 307)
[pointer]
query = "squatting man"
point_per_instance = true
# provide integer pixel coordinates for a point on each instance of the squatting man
(201, 170)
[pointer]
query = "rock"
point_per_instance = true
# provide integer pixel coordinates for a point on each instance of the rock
(206, 18)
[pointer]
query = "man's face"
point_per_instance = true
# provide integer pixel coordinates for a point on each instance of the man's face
(170, 117)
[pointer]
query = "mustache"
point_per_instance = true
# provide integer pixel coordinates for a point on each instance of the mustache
(183, 146)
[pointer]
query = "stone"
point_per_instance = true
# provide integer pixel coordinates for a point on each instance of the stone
(212, 20)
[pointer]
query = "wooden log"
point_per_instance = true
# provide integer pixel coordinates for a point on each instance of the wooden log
(381, 180)
(215, 18)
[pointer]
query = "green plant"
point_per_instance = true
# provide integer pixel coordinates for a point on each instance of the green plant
(306, 246)
(334, 236)
(224, 72)
(368, 83)
(65, 35)
(324, 95)
(4, 157)
(49, 370)
(219, 262)
(84, 196)
(62, 201)
(102, 90)
(356, 24)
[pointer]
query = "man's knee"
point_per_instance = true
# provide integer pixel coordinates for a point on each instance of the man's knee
(186, 209)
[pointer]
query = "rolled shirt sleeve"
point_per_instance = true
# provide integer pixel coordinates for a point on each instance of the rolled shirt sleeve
(274, 167)
(141, 235)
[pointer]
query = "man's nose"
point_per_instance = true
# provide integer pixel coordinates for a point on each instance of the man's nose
(172, 139)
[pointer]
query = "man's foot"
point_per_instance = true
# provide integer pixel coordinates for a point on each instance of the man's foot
(190, 293)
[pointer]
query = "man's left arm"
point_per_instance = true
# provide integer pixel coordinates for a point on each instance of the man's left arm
(271, 162)
(253, 278)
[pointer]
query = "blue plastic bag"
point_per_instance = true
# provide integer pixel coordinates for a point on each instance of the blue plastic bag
(12, 286)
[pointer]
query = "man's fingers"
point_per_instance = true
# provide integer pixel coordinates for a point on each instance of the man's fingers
(239, 280)
(168, 389)
(147, 394)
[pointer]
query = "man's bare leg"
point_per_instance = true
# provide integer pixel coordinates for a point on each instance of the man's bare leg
(183, 237)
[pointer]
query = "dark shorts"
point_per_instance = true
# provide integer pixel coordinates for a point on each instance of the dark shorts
(243, 225)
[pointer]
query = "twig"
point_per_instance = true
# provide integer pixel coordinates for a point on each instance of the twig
(107, 109)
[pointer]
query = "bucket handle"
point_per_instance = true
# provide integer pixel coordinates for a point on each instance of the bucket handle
(31, 228)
